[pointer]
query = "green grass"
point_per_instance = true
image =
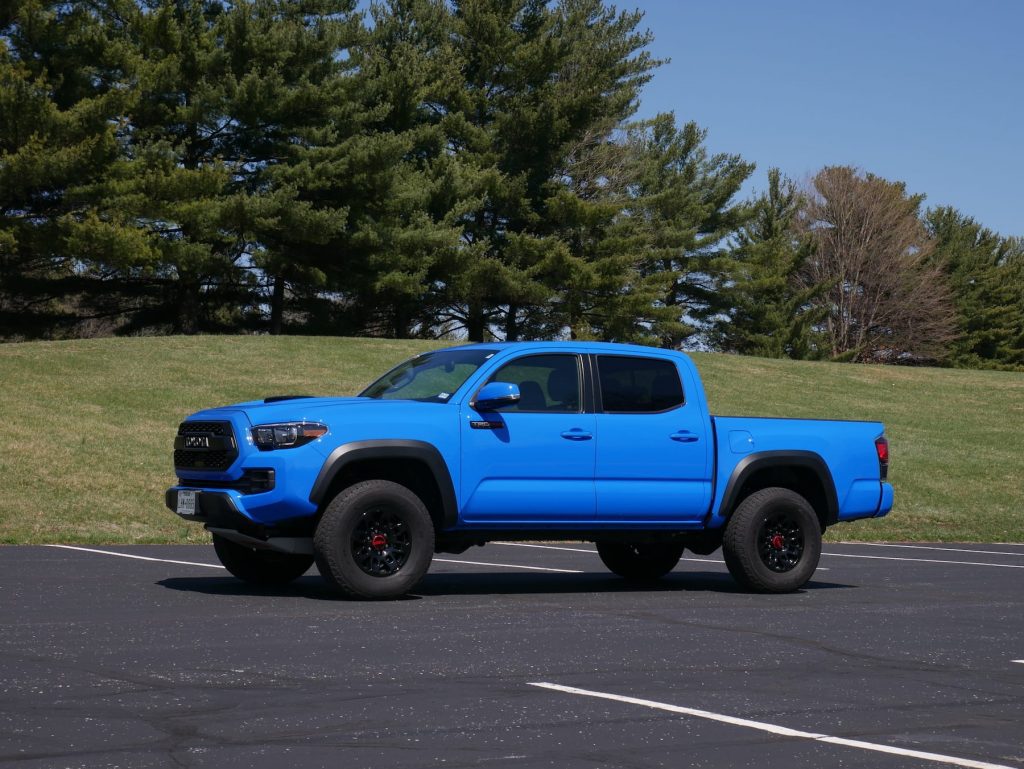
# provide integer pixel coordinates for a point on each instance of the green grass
(88, 425)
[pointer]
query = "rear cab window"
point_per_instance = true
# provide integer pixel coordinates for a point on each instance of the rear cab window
(636, 385)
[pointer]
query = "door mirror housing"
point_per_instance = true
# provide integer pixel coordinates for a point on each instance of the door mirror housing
(494, 395)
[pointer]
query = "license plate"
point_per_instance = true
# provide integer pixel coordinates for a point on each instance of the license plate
(186, 503)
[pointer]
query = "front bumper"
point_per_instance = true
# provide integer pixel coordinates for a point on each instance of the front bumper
(226, 509)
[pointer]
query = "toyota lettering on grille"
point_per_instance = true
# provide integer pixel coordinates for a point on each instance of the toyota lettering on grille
(197, 441)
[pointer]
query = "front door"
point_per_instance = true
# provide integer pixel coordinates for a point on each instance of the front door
(532, 461)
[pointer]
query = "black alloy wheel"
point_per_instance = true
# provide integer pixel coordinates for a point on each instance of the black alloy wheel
(380, 543)
(780, 542)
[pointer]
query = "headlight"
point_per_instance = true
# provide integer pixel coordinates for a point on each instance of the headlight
(286, 435)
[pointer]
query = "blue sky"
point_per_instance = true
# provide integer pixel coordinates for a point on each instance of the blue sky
(930, 92)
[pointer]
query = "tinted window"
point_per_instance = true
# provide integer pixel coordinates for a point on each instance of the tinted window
(546, 383)
(433, 376)
(638, 384)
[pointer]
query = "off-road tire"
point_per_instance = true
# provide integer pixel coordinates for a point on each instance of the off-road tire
(266, 568)
(398, 525)
(641, 561)
(772, 541)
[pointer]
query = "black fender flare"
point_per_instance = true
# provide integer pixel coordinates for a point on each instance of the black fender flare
(358, 451)
(762, 460)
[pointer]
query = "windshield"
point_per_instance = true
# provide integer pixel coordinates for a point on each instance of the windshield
(432, 377)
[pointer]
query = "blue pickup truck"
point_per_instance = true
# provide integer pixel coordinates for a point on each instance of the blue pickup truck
(606, 443)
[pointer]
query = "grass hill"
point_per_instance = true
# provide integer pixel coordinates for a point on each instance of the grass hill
(88, 425)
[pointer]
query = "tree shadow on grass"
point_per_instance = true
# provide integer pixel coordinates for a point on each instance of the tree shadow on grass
(488, 583)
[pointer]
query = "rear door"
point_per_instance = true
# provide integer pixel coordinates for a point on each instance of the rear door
(532, 461)
(653, 459)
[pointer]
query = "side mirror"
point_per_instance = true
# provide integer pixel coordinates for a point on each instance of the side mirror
(494, 395)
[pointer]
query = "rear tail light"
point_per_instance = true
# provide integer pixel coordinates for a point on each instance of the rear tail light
(882, 448)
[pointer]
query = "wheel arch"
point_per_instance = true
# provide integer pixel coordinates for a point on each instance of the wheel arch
(803, 472)
(417, 465)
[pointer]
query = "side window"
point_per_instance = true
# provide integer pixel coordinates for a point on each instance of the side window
(546, 383)
(638, 385)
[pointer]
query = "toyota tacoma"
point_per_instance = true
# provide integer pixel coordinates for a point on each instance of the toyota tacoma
(607, 443)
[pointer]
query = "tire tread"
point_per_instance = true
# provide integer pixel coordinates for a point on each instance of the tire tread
(743, 561)
(330, 558)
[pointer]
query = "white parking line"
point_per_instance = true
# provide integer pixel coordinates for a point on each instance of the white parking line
(822, 568)
(137, 557)
(510, 566)
(218, 566)
(926, 560)
(773, 729)
(929, 547)
(547, 547)
(594, 552)
(1020, 662)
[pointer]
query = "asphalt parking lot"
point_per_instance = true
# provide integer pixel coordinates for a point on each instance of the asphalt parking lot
(510, 655)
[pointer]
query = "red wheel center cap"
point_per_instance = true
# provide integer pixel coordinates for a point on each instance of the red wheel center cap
(379, 542)
(777, 541)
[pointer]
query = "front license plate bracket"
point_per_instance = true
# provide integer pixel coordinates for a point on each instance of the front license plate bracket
(186, 503)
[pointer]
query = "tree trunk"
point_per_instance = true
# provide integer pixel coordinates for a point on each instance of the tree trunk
(277, 305)
(399, 320)
(512, 324)
(475, 322)
(186, 317)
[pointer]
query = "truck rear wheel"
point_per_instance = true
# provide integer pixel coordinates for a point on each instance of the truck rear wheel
(260, 567)
(640, 560)
(375, 540)
(772, 541)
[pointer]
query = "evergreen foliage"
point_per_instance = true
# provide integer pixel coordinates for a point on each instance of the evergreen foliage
(646, 215)
(462, 168)
(534, 80)
(986, 275)
(60, 108)
(685, 209)
(767, 311)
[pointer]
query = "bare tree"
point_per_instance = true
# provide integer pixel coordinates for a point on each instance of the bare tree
(887, 299)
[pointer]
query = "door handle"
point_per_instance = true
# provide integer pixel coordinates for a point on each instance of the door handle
(576, 434)
(685, 436)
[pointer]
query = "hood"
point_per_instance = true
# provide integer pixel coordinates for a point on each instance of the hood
(307, 409)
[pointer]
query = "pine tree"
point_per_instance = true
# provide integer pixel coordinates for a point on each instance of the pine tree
(395, 179)
(768, 313)
(644, 213)
(535, 80)
(685, 207)
(224, 97)
(986, 275)
(59, 108)
(601, 292)
(295, 96)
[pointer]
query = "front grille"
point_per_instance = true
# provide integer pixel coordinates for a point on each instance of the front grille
(210, 446)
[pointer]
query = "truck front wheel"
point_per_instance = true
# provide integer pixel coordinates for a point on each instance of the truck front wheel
(375, 540)
(260, 567)
(772, 541)
(640, 560)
